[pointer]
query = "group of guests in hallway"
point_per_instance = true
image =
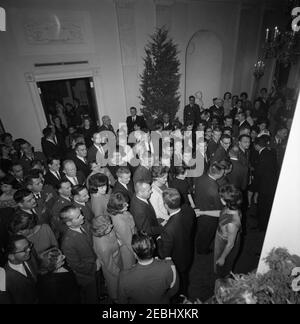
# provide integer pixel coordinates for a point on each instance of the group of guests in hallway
(68, 218)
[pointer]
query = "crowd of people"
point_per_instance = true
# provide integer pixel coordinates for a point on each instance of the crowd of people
(132, 207)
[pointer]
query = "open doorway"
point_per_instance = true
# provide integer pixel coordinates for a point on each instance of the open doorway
(70, 99)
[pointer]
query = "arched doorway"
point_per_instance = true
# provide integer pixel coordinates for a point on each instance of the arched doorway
(204, 57)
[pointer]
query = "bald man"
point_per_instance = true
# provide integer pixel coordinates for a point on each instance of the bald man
(71, 174)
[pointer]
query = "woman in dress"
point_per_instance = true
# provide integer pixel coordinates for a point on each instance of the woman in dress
(98, 185)
(107, 250)
(227, 240)
(124, 227)
(227, 103)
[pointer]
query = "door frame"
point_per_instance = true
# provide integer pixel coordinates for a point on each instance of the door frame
(32, 78)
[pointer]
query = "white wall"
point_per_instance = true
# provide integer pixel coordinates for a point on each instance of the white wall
(284, 225)
(116, 33)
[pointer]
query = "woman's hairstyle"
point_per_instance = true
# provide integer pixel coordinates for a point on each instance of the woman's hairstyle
(116, 203)
(179, 170)
(159, 171)
(101, 225)
(231, 195)
(21, 222)
(97, 181)
(143, 245)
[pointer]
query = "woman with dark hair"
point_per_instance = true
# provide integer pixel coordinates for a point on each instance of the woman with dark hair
(98, 185)
(7, 192)
(227, 240)
(124, 227)
(5, 158)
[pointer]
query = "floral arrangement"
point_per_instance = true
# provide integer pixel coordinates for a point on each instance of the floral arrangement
(277, 286)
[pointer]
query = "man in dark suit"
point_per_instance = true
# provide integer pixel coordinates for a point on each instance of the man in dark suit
(265, 180)
(50, 144)
(133, 120)
(177, 238)
(77, 246)
(243, 154)
(106, 126)
(239, 173)
(213, 143)
(28, 155)
(45, 197)
(191, 111)
(18, 174)
(81, 201)
(241, 123)
(53, 176)
(142, 210)
(96, 152)
(21, 271)
(208, 202)
(167, 125)
(124, 183)
(217, 109)
(80, 159)
(65, 199)
(278, 144)
(221, 152)
(71, 174)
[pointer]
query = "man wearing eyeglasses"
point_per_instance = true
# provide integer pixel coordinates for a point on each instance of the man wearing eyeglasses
(21, 271)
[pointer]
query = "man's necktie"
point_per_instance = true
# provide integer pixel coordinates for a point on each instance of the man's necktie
(57, 175)
(75, 180)
(28, 272)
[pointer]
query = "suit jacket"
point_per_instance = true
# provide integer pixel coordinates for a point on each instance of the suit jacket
(103, 128)
(219, 155)
(86, 211)
(279, 150)
(177, 239)
(239, 175)
(144, 216)
(82, 166)
(211, 149)
(26, 162)
(80, 178)
(57, 225)
(45, 204)
(139, 120)
(216, 111)
(191, 113)
(80, 255)
(52, 180)
(22, 289)
(266, 173)
(95, 155)
(50, 149)
(168, 127)
(18, 184)
(128, 193)
(207, 194)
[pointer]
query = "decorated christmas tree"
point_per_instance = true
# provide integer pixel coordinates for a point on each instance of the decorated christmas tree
(160, 79)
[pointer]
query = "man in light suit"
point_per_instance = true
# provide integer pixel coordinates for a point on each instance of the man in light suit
(96, 151)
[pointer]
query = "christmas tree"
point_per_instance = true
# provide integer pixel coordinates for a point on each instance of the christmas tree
(160, 79)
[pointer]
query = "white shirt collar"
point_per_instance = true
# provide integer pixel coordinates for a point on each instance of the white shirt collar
(81, 158)
(80, 203)
(78, 230)
(124, 185)
(261, 150)
(71, 179)
(210, 176)
(142, 199)
(144, 263)
(175, 212)
(18, 267)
